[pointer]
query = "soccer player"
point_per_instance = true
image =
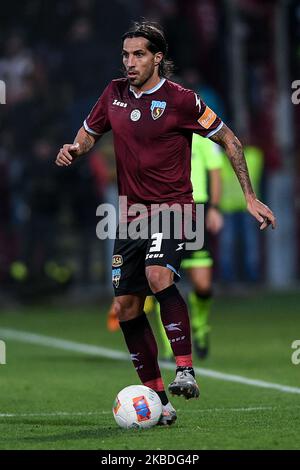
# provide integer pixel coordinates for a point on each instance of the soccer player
(153, 120)
(206, 166)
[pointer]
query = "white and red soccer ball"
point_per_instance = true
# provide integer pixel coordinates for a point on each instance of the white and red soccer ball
(137, 406)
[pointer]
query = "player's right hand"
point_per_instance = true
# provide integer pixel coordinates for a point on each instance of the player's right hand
(66, 154)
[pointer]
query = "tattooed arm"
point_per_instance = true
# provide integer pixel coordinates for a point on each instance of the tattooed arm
(82, 144)
(234, 150)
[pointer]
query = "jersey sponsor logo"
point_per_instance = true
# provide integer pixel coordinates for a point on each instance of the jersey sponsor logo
(157, 109)
(135, 115)
(142, 409)
(207, 118)
(116, 276)
(173, 327)
(117, 261)
(120, 103)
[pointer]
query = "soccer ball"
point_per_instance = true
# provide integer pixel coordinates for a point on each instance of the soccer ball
(137, 406)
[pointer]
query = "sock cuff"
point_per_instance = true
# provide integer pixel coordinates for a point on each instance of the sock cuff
(166, 293)
(135, 323)
(184, 361)
(156, 384)
(204, 295)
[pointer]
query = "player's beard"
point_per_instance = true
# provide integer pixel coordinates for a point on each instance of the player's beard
(140, 80)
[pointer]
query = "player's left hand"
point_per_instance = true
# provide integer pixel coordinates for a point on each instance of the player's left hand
(262, 213)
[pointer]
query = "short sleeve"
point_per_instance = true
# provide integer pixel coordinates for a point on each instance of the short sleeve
(196, 116)
(97, 122)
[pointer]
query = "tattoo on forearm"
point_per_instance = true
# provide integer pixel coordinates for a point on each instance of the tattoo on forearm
(240, 166)
(234, 150)
(221, 136)
(87, 144)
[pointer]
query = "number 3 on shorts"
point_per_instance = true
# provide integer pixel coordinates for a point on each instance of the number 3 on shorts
(157, 241)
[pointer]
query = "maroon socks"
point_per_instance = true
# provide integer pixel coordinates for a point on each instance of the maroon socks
(142, 346)
(175, 318)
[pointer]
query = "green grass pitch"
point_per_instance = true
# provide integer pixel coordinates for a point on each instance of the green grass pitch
(61, 399)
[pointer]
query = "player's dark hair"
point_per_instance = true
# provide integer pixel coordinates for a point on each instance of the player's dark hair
(156, 43)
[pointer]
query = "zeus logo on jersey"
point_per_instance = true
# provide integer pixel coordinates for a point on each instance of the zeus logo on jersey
(119, 103)
(157, 109)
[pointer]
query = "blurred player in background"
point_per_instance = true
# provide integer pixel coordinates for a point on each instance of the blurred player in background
(153, 121)
(239, 234)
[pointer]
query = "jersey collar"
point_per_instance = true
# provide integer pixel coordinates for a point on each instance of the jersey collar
(148, 92)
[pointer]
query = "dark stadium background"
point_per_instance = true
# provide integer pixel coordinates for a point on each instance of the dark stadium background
(56, 57)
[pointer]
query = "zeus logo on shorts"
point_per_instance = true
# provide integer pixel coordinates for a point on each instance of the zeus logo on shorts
(156, 255)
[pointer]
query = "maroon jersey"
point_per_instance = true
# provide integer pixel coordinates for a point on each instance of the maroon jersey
(152, 138)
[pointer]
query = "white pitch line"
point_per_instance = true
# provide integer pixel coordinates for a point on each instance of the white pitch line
(49, 341)
(54, 414)
(94, 413)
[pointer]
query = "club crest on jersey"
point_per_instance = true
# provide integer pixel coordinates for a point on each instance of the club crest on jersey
(157, 109)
